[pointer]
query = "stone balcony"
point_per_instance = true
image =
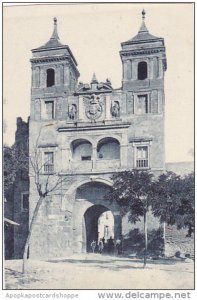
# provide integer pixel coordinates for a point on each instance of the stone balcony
(94, 165)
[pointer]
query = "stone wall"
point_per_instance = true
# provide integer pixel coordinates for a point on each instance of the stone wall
(177, 240)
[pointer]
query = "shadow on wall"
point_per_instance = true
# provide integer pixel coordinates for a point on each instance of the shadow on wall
(133, 243)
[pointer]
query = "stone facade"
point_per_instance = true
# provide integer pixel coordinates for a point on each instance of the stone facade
(86, 132)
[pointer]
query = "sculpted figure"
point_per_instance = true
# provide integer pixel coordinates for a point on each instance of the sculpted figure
(115, 110)
(72, 111)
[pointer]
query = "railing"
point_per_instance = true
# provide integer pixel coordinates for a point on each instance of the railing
(49, 168)
(142, 163)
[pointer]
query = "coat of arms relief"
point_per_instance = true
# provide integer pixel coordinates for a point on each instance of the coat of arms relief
(93, 106)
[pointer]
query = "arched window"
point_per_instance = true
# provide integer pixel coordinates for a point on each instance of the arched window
(50, 77)
(108, 148)
(81, 149)
(142, 70)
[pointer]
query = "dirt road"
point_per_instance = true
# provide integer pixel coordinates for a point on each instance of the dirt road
(95, 271)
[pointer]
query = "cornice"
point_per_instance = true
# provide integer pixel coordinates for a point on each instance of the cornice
(141, 52)
(94, 127)
(45, 59)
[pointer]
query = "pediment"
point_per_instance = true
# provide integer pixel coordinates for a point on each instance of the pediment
(94, 88)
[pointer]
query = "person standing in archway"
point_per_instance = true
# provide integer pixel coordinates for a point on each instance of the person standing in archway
(110, 245)
(100, 246)
(118, 246)
(93, 245)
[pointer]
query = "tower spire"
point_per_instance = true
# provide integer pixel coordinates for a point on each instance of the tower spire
(143, 27)
(55, 34)
(94, 79)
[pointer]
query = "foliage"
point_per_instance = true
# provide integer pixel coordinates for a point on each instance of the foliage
(9, 168)
(170, 196)
(134, 242)
(132, 191)
(173, 200)
(15, 161)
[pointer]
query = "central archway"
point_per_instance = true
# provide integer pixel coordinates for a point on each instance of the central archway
(90, 204)
(91, 218)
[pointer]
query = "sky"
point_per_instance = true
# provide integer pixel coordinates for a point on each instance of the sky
(94, 33)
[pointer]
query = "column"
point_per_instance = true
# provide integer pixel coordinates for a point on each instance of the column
(160, 68)
(66, 75)
(148, 61)
(61, 70)
(81, 108)
(128, 63)
(124, 70)
(108, 108)
(94, 156)
(123, 155)
(35, 77)
(151, 66)
(134, 69)
(160, 101)
(57, 75)
(134, 103)
(42, 78)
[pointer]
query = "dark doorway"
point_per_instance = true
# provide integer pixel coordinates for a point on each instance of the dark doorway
(91, 217)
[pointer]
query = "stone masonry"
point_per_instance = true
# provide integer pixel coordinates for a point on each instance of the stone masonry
(84, 133)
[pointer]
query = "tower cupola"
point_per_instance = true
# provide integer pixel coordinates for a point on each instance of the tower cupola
(54, 64)
(143, 58)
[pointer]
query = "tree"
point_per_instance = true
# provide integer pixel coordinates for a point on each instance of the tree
(46, 183)
(15, 165)
(15, 160)
(173, 200)
(10, 168)
(132, 190)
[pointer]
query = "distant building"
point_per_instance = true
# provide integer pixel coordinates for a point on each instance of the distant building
(106, 226)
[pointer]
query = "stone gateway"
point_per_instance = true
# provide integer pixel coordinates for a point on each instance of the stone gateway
(84, 133)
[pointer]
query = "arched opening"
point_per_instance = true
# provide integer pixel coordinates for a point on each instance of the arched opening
(142, 70)
(81, 149)
(108, 148)
(106, 226)
(50, 77)
(90, 204)
(96, 223)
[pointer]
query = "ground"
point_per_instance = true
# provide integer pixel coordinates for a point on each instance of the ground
(95, 271)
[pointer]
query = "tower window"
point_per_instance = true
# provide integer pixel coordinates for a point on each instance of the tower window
(49, 107)
(142, 105)
(50, 77)
(142, 70)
